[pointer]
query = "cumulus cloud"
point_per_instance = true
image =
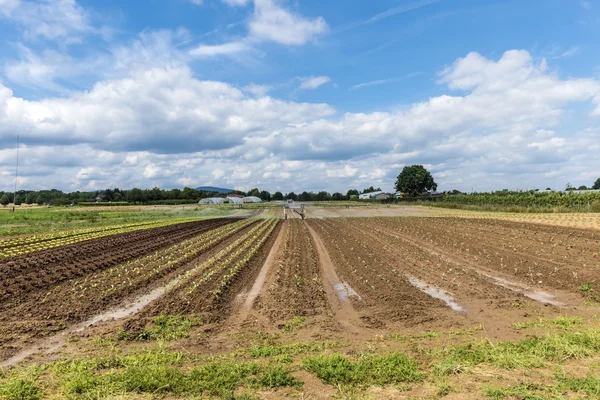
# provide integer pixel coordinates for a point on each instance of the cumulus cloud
(274, 23)
(313, 82)
(257, 90)
(219, 49)
(48, 19)
(500, 125)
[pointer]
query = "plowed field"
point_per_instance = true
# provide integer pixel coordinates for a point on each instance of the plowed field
(257, 281)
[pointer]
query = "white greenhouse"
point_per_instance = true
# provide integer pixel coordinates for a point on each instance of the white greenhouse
(234, 200)
(252, 199)
(212, 200)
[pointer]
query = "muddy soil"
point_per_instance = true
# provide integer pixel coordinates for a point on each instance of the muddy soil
(384, 294)
(43, 312)
(202, 301)
(359, 279)
(293, 286)
(41, 270)
(540, 256)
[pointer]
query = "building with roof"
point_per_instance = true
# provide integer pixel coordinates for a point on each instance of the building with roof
(252, 199)
(370, 195)
(234, 200)
(212, 200)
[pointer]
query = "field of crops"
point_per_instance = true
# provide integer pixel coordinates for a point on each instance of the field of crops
(273, 306)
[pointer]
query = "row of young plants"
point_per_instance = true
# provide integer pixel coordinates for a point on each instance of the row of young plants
(227, 279)
(26, 245)
(536, 254)
(145, 269)
(528, 199)
(238, 253)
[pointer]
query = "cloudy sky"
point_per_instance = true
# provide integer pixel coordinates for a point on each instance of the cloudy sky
(299, 94)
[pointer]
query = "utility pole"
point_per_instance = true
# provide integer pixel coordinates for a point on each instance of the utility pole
(16, 176)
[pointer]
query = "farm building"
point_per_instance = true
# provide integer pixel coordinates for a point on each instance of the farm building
(220, 200)
(212, 200)
(382, 196)
(234, 200)
(370, 195)
(252, 199)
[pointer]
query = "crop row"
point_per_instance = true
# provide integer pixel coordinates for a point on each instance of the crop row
(235, 256)
(30, 244)
(145, 269)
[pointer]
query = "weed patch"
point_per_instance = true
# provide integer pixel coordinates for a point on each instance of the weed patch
(335, 369)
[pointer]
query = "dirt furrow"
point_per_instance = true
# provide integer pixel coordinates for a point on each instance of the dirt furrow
(387, 296)
(40, 315)
(41, 271)
(564, 261)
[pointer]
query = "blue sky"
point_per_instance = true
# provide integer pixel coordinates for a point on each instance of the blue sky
(299, 95)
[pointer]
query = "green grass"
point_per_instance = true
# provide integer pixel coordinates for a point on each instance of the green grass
(296, 322)
(266, 366)
(587, 387)
(561, 322)
(20, 389)
(336, 369)
(38, 220)
(586, 287)
(532, 352)
(271, 350)
(522, 391)
(164, 328)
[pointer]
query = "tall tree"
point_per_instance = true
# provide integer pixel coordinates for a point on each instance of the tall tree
(277, 196)
(305, 196)
(4, 200)
(352, 192)
(415, 179)
(323, 196)
(265, 196)
(291, 196)
(337, 196)
(254, 192)
(371, 189)
(596, 184)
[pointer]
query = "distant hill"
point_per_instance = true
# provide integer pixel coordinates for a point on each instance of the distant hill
(214, 189)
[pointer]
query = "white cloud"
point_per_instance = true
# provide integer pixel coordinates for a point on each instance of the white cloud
(346, 172)
(49, 19)
(504, 129)
(235, 2)
(570, 52)
(219, 49)
(197, 2)
(218, 173)
(383, 81)
(274, 23)
(389, 13)
(586, 4)
(313, 82)
(257, 90)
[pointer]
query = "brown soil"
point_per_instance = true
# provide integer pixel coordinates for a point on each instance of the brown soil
(41, 270)
(386, 296)
(546, 257)
(202, 301)
(379, 259)
(53, 308)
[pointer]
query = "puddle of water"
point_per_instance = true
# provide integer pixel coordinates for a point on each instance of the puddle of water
(541, 297)
(53, 343)
(436, 293)
(344, 291)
